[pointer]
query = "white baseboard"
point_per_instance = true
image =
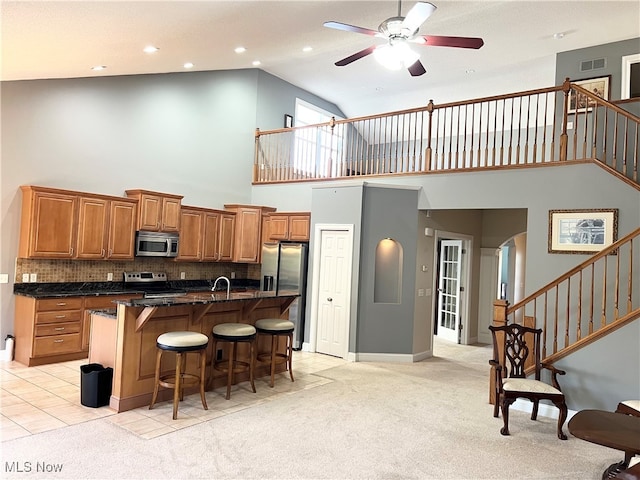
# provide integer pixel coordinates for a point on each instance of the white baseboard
(544, 409)
(392, 357)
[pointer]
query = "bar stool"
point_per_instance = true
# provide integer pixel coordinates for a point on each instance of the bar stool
(234, 333)
(276, 327)
(181, 343)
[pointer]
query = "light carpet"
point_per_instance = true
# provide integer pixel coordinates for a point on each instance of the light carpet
(428, 420)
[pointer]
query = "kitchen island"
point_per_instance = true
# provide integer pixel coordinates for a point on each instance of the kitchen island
(137, 323)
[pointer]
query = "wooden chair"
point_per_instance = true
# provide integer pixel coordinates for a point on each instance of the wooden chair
(629, 407)
(511, 381)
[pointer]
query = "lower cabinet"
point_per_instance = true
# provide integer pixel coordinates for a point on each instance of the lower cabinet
(51, 330)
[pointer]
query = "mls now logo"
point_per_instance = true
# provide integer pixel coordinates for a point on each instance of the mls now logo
(27, 467)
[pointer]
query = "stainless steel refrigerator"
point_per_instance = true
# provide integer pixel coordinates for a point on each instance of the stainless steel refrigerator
(284, 267)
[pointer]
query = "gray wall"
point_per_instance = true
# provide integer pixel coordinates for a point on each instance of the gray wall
(387, 327)
(186, 133)
(340, 205)
(568, 63)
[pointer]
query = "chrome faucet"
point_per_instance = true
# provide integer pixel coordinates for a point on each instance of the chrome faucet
(215, 284)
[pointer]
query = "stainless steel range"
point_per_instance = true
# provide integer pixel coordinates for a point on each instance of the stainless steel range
(153, 284)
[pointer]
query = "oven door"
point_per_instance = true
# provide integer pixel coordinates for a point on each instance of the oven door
(152, 244)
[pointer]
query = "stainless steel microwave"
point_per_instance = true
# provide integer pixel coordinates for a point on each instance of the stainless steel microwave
(156, 244)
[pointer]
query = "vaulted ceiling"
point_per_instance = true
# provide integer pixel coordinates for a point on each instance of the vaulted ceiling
(51, 39)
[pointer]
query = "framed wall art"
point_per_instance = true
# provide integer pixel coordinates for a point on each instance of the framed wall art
(582, 231)
(579, 103)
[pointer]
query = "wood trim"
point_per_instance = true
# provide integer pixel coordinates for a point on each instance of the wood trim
(144, 317)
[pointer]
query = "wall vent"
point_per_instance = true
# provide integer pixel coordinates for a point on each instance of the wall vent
(594, 64)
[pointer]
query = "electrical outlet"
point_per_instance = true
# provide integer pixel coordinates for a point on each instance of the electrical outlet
(421, 292)
(110, 277)
(33, 277)
(25, 278)
(233, 275)
(183, 275)
(4, 278)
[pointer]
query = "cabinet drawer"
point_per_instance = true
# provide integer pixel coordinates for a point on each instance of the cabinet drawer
(57, 329)
(54, 304)
(59, 316)
(57, 344)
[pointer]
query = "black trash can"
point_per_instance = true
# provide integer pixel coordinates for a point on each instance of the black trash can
(95, 385)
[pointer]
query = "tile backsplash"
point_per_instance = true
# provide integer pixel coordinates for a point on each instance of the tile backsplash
(98, 270)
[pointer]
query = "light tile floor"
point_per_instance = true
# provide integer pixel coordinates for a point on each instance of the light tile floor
(37, 399)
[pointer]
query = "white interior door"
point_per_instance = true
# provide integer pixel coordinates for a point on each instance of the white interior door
(334, 284)
(449, 315)
(488, 292)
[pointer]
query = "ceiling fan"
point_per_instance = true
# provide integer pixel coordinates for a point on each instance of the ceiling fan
(400, 32)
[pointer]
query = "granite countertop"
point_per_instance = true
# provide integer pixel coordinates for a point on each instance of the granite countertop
(89, 289)
(105, 312)
(201, 299)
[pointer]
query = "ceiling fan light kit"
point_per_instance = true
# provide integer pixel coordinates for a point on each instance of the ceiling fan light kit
(399, 31)
(395, 56)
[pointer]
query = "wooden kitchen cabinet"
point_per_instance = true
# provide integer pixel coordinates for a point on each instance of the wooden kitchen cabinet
(157, 212)
(48, 223)
(51, 330)
(206, 235)
(106, 228)
(48, 330)
(66, 224)
(248, 232)
(292, 226)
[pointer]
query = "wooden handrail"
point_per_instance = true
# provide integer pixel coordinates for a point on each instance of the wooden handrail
(603, 253)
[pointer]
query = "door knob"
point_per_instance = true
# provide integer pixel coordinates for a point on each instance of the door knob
(329, 299)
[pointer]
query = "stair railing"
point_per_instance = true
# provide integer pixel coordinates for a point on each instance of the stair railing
(542, 127)
(591, 300)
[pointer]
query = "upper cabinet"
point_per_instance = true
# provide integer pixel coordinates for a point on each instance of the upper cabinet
(65, 224)
(48, 224)
(158, 212)
(206, 235)
(248, 232)
(292, 226)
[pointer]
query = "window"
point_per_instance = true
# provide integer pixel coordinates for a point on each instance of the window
(316, 150)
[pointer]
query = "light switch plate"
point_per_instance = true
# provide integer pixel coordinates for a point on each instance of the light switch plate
(183, 275)
(233, 275)
(4, 278)
(110, 277)
(33, 277)
(25, 278)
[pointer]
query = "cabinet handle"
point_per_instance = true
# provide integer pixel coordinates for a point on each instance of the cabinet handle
(103, 253)
(110, 251)
(72, 251)
(61, 304)
(58, 341)
(60, 316)
(59, 329)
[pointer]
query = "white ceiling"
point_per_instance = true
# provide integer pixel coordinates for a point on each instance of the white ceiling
(51, 39)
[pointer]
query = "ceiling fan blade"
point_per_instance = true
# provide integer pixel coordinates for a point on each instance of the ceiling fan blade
(417, 69)
(355, 56)
(351, 28)
(460, 42)
(417, 15)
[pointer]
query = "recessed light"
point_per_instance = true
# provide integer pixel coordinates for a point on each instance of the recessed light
(97, 68)
(188, 65)
(307, 49)
(255, 63)
(470, 71)
(150, 49)
(240, 50)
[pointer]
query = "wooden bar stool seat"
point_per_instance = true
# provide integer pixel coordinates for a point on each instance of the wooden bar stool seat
(181, 343)
(275, 328)
(234, 333)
